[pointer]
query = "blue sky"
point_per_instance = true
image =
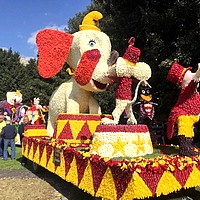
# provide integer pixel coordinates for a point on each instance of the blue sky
(21, 20)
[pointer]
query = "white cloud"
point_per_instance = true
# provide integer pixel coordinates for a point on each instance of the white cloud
(4, 48)
(20, 36)
(32, 39)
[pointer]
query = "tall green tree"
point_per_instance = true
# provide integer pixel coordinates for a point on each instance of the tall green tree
(11, 72)
(164, 30)
(16, 76)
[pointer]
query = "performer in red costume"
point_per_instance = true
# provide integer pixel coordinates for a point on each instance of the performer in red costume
(186, 111)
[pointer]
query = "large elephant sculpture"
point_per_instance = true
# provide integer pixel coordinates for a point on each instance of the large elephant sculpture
(87, 53)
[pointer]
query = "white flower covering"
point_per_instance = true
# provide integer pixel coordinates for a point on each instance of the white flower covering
(141, 70)
(106, 150)
(148, 149)
(118, 154)
(130, 149)
(121, 144)
(106, 137)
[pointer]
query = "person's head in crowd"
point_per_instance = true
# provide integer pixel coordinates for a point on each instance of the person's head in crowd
(1, 118)
(26, 119)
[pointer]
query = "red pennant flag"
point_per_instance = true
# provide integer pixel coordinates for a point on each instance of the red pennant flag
(24, 142)
(121, 179)
(41, 149)
(29, 146)
(49, 150)
(81, 166)
(66, 133)
(35, 145)
(68, 156)
(98, 170)
(151, 179)
(182, 175)
(85, 133)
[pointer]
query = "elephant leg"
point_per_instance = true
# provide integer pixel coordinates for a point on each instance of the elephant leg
(130, 115)
(51, 123)
(119, 108)
(186, 134)
(94, 107)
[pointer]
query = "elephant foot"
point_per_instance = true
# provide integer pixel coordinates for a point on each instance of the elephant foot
(131, 121)
(107, 121)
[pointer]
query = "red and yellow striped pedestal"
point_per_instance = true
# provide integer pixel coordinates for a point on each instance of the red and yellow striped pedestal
(35, 130)
(77, 128)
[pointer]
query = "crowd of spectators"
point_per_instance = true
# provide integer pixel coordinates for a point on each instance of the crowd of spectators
(8, 133)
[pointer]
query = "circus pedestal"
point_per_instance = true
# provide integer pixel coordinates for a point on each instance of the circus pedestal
(112, 141)
(77, 128)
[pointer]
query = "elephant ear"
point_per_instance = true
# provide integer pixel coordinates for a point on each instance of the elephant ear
(53, 50)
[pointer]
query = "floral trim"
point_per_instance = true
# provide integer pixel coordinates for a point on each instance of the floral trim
(34, 127)
(77, 117)
(119, 175)
(122, 128)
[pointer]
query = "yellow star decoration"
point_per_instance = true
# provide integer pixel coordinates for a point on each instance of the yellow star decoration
(119, 146)
(149, 142)
(96, 144)
(140, 145)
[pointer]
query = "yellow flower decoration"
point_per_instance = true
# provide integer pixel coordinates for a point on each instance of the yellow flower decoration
(91, 21)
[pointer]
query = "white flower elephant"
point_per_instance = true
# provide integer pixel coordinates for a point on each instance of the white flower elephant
(87, 53)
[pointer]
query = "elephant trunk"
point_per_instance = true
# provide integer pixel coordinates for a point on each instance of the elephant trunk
(89, 59)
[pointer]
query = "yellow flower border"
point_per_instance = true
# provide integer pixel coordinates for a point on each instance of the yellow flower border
(136, 188)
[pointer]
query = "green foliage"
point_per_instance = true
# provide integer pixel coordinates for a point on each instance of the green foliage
(106, 100)
(12, 164)
(164, 31)
(16, 76)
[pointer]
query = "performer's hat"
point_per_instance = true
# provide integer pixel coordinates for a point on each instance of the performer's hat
(177, 73)
(132, 53)
(91, 21)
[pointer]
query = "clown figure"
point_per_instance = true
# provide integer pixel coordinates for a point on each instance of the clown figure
(185, 112)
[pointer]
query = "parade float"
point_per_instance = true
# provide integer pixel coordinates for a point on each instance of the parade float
(87, 148)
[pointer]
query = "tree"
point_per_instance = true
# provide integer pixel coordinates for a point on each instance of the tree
(164, 30)
(16, 76)
(11, 72)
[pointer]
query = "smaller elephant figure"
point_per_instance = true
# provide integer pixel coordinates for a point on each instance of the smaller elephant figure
(185, 112)
(127, 69)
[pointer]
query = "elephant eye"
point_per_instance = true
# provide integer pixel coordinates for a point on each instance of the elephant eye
(92, 43)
